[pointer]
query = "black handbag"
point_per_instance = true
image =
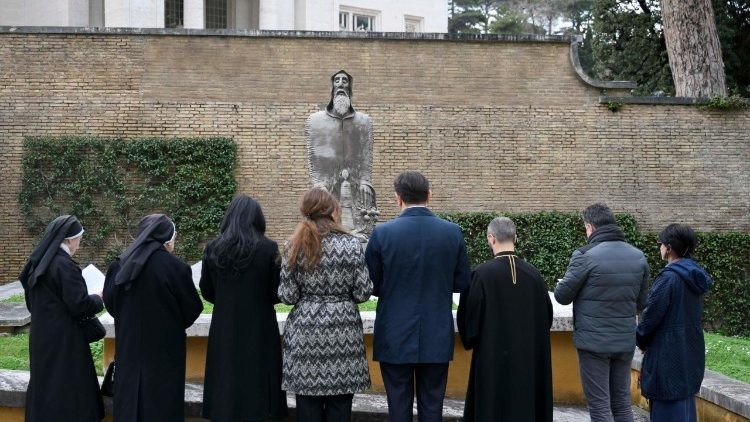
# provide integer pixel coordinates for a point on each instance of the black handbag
(93, 330)
(108, 384)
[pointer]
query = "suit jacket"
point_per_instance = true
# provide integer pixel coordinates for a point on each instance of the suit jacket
(416, 262)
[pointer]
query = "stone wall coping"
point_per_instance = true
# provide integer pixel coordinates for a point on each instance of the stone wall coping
(14, 315)
(576, 60)
(652, 100)
(254, 33)
(562, 321)
(725, 392)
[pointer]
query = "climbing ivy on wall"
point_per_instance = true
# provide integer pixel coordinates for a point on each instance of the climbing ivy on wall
(547, 239)
(111, 183)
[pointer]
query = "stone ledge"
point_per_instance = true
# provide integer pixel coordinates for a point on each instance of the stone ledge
(562, 321)
(14, 315)
(367, 407)
(652, 100)
(716, 388)
(431, 36)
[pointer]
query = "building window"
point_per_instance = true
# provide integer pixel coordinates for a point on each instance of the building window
(363, 22)
(216, 14)
(357, 20)
(173, 14)
(344, 21)
(413, 24)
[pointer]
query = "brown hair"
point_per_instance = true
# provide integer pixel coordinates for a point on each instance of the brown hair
(319, 210)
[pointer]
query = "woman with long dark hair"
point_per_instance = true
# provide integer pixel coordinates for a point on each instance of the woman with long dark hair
(323, 274)
(670, 332)
(240, 276)
(63, 384)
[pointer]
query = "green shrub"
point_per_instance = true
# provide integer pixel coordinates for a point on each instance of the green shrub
(547, 239)
(724, 102)
(110, 183)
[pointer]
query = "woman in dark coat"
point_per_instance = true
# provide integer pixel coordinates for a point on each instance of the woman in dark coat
(150, 294)
(63, 384)
(323, 274)
(240, 277)
(670, 333)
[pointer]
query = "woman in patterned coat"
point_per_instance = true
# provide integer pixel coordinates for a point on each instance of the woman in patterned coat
(323, 274)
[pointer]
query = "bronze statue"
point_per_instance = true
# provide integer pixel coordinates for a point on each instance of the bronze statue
(339, 146)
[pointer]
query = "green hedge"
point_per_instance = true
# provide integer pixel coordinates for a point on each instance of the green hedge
(547, 239)
(110, 183)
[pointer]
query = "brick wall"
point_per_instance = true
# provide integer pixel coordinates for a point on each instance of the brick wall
(495, 125)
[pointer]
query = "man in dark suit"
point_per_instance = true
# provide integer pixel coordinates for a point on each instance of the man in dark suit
(416, 261)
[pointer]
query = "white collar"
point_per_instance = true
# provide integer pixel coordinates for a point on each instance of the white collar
(65, 247)
(416, 206)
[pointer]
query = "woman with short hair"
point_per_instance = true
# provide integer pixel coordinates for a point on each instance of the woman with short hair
(240, 276)
(670, 332)
(323, 274)
(63, 384)
(150, 294)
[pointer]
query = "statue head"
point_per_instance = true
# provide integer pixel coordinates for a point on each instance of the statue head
(341, 93)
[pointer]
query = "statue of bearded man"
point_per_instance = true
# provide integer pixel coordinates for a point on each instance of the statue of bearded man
(339, 146)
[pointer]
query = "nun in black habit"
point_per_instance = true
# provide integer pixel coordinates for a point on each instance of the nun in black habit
(150, 294)
(63, 384)
(240, 277)
(505, 317)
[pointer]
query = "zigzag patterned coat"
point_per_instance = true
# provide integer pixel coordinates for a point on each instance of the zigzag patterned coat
(324, 350)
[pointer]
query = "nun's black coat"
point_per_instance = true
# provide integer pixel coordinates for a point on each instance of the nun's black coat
(63, 384)
(243, 363)
(151, 314)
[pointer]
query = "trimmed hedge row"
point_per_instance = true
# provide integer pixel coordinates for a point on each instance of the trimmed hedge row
(547, 239)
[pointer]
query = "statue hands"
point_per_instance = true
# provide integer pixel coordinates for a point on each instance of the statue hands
(366, 195)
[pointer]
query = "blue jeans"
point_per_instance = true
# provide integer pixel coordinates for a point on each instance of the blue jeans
(606, 383)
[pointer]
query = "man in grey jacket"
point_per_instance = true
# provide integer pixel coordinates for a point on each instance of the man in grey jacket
(607, 281)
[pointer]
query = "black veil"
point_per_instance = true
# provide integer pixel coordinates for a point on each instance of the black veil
(153, 231)
(62, 227)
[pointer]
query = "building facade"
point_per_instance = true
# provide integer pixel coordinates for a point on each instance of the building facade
(300, 15)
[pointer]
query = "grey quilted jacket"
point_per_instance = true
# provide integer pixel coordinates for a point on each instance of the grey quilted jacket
(607, 281)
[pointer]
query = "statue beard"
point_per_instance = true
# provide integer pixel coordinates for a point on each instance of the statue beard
(341, 104)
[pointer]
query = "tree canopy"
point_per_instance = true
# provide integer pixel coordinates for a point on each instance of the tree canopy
(623, 39)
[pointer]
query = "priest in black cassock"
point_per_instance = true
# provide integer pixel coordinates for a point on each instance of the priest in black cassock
(150, 294)
(63, 384)
(505, 317)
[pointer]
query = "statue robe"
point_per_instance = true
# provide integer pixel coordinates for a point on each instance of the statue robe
(151, 314)
(507, 325)
(340, 143)
(63, 384)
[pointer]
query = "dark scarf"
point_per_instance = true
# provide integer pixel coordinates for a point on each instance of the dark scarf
(60, 228)
(153, 231)
(607, 233)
